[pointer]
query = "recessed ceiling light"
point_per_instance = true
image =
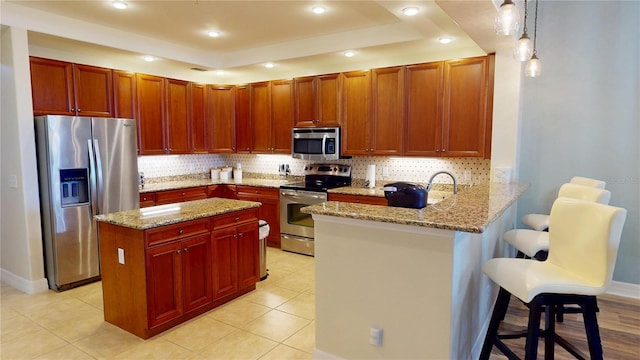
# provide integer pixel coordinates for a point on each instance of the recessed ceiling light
(149, 58)
(219, 72)
(349, 53)
(410, 11)
(213, 33)
(445, 40)
(121, 5)
(318, 10)
(269, 65)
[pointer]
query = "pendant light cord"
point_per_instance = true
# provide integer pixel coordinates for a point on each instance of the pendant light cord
(535, 28)
(526, 12)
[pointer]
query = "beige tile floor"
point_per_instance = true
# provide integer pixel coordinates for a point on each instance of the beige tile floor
(276, 321)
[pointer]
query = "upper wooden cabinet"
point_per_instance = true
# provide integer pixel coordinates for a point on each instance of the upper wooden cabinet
(243, 119)
(317, 100)
(62, 88)
(125, 97)
(387, 111)
(356, 129)
(221, 119)
(260, 109)
(281, 116)
(178, 129)
(151, 114)
(198, 105)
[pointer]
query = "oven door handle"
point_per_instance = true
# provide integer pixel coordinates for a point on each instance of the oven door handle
(306, 196)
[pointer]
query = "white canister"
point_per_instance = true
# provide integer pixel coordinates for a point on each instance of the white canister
(215, 174)
(225, 174)
(237, 175)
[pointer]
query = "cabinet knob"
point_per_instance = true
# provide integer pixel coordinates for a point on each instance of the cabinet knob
(79, 110)
(443, 150)
(183, 194)
(178, 251)
(241, 234)
(186, 249)
(237, 219)
(235, 236)
(180, 231)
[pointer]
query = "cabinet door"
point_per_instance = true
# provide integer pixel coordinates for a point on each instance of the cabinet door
(306, 111)
(244, 141)
(224, 255)
(52, 87)
(387, 110)
(248, 262)
(328, 99)
(465, 107)
(423, 110)
(198, 103)
(164, 283)
(261, 118)
(178, 130)
(281, 116)
(151, 114)
(124, 94)
(269, 211)
(197, 271)
(94, 90)
(147, 199)
(221, 118)
(356, 129)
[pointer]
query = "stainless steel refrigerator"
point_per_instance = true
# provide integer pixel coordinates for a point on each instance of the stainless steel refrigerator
(86, 166)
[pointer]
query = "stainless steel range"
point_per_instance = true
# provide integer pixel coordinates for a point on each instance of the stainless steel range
(296, 228)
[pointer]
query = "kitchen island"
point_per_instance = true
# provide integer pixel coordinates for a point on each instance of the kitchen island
(414, 273)
(163, 265)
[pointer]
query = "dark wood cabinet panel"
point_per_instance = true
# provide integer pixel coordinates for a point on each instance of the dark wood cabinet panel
(178, 129)
(164, 286)
(147, 199)
(465, 107)
(225, 254)
(52, 87)
(269, 211)
(423, 109)
(197, 270)
(125, 95)
(281, 116)
(181, 195)
(359, 199)
(387, 111)
(317, 101)
(93, 90)
(221, 118)
(356, 95)
(151, 114)
(305, 103)
(261, 117)
(244, 140)
(198, 104)
(329, 99)
(248, 264)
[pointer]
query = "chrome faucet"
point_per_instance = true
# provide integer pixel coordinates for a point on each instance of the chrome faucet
(455, 181)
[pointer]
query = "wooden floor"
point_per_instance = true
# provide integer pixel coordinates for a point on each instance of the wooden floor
(618, 319)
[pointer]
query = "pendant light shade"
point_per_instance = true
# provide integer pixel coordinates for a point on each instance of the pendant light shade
(534, 67)
(524, 48)
(508, 19)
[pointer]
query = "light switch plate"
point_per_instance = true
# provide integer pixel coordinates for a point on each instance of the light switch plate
(121, 256)
(13, 181)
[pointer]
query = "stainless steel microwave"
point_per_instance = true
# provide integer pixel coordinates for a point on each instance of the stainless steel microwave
(316, 143)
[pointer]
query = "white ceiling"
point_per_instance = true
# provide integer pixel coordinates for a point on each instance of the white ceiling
(253, 33)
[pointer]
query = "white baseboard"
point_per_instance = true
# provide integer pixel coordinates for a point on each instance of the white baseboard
(321, 355)
(22, 284)
(624, 289)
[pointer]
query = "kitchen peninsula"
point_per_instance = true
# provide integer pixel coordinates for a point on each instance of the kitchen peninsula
(414, 273)
(165, 264)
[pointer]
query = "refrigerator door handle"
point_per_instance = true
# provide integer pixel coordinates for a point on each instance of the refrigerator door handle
(99, 183)
(93, 179)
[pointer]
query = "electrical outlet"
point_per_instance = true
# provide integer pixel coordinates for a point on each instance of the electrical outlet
(467, 175)
(375, 336)
(13, 181)
(121, 256)
(385, 172)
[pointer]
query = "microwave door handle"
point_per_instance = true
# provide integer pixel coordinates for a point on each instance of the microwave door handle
(324, 141)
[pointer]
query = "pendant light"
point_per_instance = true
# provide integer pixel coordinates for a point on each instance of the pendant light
(534, 67)
(524, 47)
(508, 19)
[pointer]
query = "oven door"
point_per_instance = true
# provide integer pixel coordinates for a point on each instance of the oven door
(292, 221)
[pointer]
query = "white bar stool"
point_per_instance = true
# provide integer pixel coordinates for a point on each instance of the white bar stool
(583, 244)
(534, 243)
(540, 222)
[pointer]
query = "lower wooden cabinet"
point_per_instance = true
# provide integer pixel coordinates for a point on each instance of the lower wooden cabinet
(173, 196)
(360, 199)
(222, 190)
(269, 211)
(157, 278)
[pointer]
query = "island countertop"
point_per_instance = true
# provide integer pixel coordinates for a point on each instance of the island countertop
(155, 216)
(471, 210)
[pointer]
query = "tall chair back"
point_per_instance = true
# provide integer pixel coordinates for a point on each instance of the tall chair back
(587, 193)
(579, 180)
(583, 240)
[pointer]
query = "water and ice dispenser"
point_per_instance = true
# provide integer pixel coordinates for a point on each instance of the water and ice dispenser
(74, 187)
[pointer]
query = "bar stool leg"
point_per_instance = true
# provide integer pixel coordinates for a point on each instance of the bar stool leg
(591, 327)
(550, 331)
(499, 312)
(533, 329)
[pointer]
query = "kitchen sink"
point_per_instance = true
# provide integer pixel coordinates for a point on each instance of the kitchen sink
(435, 197)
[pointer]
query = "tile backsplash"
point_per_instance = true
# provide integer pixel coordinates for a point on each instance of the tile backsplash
(399, 168)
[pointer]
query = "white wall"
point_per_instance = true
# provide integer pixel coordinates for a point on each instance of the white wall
(581, 117)
(21, 261)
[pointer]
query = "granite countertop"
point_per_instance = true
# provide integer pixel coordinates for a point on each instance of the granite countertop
(187, 183)
(471, 210)
(438, 190)
(156, 216)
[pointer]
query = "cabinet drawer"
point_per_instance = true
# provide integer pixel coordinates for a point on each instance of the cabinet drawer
(256, 190)
(176, 231)
(180, 195)
(359, 199)
(234, 218)
(147, 199)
